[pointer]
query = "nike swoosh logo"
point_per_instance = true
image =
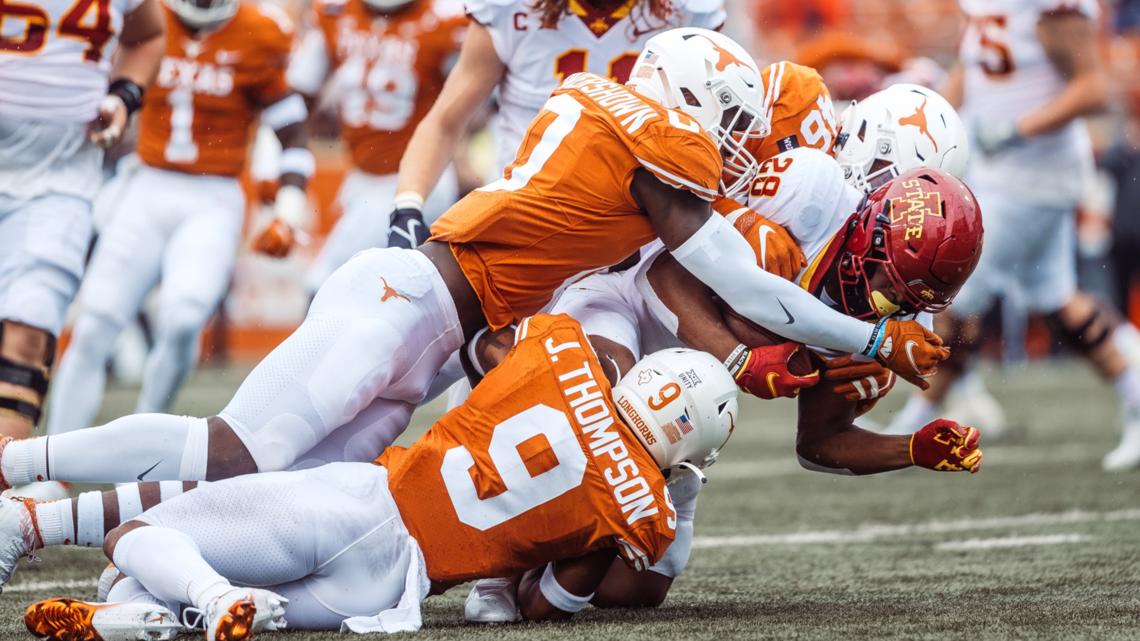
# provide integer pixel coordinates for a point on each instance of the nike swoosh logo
(763, 232)
(410, 233)
(149, 470)
(771, 380)
(910, 345)
(791, 319)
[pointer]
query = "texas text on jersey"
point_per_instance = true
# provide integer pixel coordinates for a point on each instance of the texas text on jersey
(571, 180)
(536, 466)
(196, 117)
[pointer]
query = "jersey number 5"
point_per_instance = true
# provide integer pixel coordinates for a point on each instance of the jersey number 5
(518, 446)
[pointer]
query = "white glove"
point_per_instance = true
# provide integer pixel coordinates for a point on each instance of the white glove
(993, 136)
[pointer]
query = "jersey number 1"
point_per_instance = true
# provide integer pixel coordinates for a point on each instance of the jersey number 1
(524, 491)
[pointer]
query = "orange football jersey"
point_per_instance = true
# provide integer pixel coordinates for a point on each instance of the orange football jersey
(563, 208)
(535, 467)
(389, 70)
(198, 114)
(800, 108)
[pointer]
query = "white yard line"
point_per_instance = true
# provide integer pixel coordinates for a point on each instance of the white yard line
(1011, 542)
(50, 586)
(870, 532)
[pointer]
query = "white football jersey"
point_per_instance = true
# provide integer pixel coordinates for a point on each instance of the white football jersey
(55, 56)
(537, 59)
(1008, 74)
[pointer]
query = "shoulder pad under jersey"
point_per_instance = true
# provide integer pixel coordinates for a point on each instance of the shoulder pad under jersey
(485, 11)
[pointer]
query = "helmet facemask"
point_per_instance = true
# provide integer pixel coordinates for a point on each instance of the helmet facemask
(200, 18)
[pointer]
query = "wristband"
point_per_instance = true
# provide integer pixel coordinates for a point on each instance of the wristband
(558, 596)
(736, 360)
(297, 160)
(130, 92)
(878, 335)
(408, 200)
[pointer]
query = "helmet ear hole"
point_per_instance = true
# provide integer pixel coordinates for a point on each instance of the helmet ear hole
(690, 99)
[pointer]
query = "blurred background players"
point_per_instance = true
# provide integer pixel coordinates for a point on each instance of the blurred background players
(181, 212)
(525, 48)
(384, 62)
(1029, 71)
(56, 108)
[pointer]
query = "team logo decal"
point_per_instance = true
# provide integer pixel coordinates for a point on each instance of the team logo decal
(390, 293)
(918, 119)
(644, 376)
(912, 208)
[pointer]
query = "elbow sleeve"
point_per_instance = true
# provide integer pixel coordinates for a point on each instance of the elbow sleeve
(721, 258)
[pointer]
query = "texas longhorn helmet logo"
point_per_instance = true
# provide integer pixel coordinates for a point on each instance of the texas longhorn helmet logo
(724, 56)
(918, 119)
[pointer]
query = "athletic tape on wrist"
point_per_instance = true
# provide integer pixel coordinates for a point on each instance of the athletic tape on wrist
(878, 335)
(297, 160)
(130, 501)
(557, 595)
(736, 360)
(89, 525)
(129, 91)
(408, 200)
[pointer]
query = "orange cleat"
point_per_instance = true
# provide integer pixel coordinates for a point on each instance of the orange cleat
(64, 619)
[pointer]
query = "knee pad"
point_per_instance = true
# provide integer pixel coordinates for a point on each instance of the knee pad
(26, 383)
(181, 323)
(1085, 335)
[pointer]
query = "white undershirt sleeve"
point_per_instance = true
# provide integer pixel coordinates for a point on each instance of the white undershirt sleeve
(309, 63)
(720, 257)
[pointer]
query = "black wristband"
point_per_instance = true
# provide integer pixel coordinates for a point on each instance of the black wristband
(130, 92)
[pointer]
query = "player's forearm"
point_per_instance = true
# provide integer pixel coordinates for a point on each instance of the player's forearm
(854, 451)
(1083, 95)
(952, 89)
(720, 257)
(297, 161)
(431, 148)
(699, 323)
(141, 45)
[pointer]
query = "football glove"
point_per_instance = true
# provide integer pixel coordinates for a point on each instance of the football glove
(406, 228)
(858, 380)
(776, 251)
(994, 135)
(946, 446)
(764, 372)
(276, 240)
(908, 349)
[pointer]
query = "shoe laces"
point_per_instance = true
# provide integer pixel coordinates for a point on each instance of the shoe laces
(193, 618)
(30, 528)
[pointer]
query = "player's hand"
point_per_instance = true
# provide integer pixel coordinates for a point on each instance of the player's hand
(276, 240)
(994, 135)
(946, 446)
(406, 228)
(858, 380)
(776, 251)
(910, 350)
(110, 122)
(765, 372)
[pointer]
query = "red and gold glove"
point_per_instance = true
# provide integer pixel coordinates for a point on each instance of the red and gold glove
(776, 251)
(946, 446)
(763, 371)
(908, 349)
(276, 240)
(858, 380)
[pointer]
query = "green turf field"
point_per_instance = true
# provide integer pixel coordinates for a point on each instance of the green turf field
(1039, 545)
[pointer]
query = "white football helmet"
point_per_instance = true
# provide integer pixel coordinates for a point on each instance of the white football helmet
(387, 6)
(897, 129)
(214, 14)
(681, 404)
(710, 77)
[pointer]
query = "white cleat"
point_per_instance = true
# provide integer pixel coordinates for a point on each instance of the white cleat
(18, 536)
(242, 612)
(42, 491)
(491, 601)
(976, 407)
(1126, 456)
(63, 619)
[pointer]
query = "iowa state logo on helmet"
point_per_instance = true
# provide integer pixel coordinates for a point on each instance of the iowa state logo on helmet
(913, 206)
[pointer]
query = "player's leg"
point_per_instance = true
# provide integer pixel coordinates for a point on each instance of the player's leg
(361, 340)
(43, 243)
(196, 270)
(123, 268)
(363, 438)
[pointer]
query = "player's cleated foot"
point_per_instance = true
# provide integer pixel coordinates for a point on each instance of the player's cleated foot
(1126, 456)
(106, 581)
(63, 619)
(42, 491)
(240, 613)
(491, 601)
(19, 536)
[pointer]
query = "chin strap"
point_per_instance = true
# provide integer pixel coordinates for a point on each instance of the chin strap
(695, 470)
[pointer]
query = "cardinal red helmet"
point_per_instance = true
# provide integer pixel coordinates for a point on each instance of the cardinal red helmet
(923, 229)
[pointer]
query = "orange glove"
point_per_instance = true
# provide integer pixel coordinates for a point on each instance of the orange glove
(946, 446)
(908, 349)
(763, 371)
(859, 380)
(276, 240)
(776, 251)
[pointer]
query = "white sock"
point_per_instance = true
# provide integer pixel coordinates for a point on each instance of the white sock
(77, 388)
(152, 446)
(1127, 386)
(129, 589)
(56, 522)
(169, 565)
(174, 354)
(1127, 340)
(917, 411)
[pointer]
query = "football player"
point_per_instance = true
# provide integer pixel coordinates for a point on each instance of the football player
(811, 197)
(525, 49)
(549, 465)
(605, 169)
(1028, 71)
(57, 113)
(181, 213)
(384, 62)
